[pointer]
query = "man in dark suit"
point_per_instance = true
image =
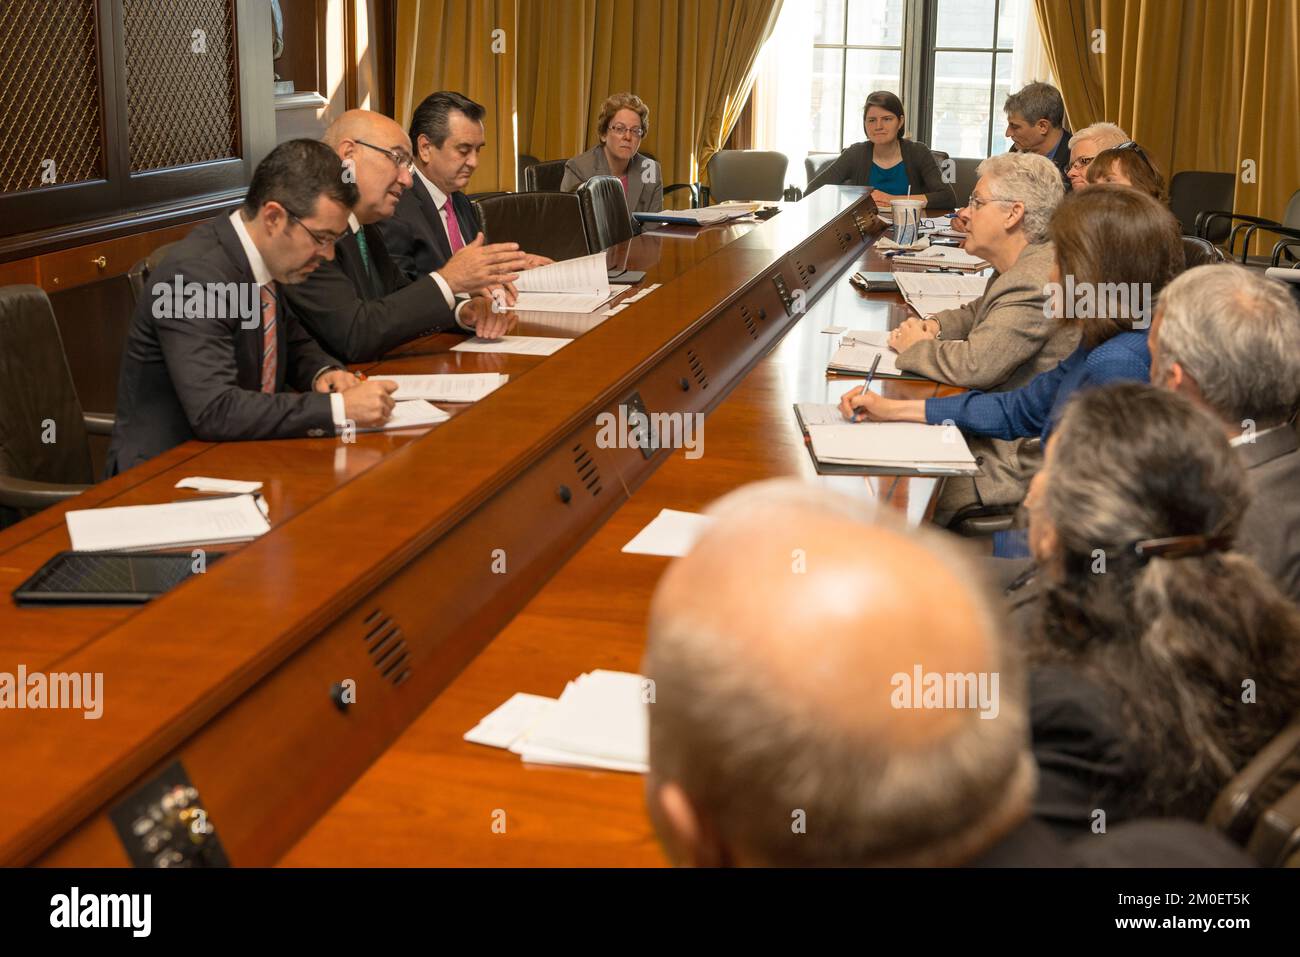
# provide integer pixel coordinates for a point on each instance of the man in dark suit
(215, 349)
(361, 306)
(1229, 338)
(435, 226)
(1036, 124)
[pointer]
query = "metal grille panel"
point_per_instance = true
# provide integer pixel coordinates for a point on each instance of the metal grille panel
(50, 122)
(181, 84)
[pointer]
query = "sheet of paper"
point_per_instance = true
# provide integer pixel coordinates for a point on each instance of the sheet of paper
(835, 330)
(511, 721)
(585, 274)
(202, 521)
(411, 414)
(671, 533)
(820, 413)
(514, 345)
(220, 486)
(446, 387)
(599, 721)
(891, 444)
(560, 301)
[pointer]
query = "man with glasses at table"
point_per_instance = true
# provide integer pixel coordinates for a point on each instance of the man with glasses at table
(215, 352)
(360, 306)
(623, 122)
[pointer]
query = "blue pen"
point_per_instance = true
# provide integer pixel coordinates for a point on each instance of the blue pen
(867, 385)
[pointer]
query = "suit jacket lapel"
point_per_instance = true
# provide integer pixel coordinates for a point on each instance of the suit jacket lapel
(434, 217)
(465, 215)
(348, 253)
(248, 341)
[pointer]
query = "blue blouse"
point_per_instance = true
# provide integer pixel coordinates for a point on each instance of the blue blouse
(891, 181)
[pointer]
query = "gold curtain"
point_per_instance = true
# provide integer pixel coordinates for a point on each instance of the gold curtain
(1211, 85)
(469, 46)
(691, 61)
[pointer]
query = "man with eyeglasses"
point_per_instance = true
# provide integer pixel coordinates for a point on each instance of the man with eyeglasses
(361, 306)
(436, 226)
(623, 122)
(215, 351)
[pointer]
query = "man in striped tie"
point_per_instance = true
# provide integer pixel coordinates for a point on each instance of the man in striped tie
(360, 306)
(215, 351)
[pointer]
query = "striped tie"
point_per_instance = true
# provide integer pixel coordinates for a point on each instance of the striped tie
(268, 338)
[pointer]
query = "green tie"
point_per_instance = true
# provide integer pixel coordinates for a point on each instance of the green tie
(365, 252)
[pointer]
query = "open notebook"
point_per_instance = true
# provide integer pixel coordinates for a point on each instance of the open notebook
(929, 293)
(838, 446)
(859, 348)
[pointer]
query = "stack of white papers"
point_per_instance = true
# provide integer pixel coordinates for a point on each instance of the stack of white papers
(413, 413)
(929, 293)
(859, 348)
(573, 285)
(671, 533)
(203, 521)
(600, 721)
(935, 449)
(514, 345)
(446, 387)
(218, 486)
(707, 216)
(939, 257)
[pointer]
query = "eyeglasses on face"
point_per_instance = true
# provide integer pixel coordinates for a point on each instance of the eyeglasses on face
(977, 201)
(400, 158)
(1083, 162)
(324, 241)
(618, 129)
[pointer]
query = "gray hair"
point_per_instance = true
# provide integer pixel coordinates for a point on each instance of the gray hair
(746, 752)
(1237, 334)
(1106, 135)
(1037, 101)
(1029, 179)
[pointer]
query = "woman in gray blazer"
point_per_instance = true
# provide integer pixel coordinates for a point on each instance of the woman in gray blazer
(622, 124)
(886, 162)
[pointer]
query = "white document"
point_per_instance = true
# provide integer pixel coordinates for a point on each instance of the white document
(859, 349)
(599, 721)
(446, 387)
(947, 257)
(204, 521)
(514, 345)
(221, 486)
(707, 216)
(411, 414)
(511, 721)
(585, 274)
(930, 293)
(671, 533)
(906, 445)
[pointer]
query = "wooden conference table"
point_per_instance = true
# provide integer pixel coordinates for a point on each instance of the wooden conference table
(384, 565)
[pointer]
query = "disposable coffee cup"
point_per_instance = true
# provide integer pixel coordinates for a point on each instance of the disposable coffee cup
(906, 213)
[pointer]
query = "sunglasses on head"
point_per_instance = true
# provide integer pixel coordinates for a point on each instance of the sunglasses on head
(1142, 154)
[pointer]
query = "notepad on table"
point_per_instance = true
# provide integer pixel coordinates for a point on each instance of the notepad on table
(514, 345)
(446, 387)
(939, 257)
(858, 350)
(889, 447)
(202, 521)
(572, 285)
(671, 533)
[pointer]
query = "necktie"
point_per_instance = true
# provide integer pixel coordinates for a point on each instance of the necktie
(365, 252)
(268, 339)
(453, 227)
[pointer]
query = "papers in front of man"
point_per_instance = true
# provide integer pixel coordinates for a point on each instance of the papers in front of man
(514, 345)
(217, 486)
(708, 216)
(571, 285)
(446, 387)
(939, 257)
(858, 350)
(599, 721)
(929, 293)
(671, 534)
(202, 521)
(901, 446)
(411, 414)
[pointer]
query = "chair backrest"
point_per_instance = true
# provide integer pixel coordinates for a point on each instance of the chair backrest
(1265, 778)
(138, 276)
(547, 224)
(521, 165)
(747, 174)
(967, 176)
(1275, 842)
(544, 177)
(42, 433)
(1201, 252)
(1195, 191)
(814, 163)
(604, 212)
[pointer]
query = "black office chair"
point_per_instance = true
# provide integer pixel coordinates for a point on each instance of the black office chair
(545, 176)
(604, 212)
(692, 188)
(1201, 252)
(1275, 842)
(544, 223)
(138, 275)
(479, 197)
(525, 160)
(1193, 192)
(814, 163)
(1247, 226)
(1269, 775)
(44, 452)
(744, 175)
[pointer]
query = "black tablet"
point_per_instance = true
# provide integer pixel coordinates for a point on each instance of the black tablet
(109, 578)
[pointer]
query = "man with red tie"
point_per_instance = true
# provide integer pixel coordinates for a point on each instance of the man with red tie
(215, 351)
(435, 226)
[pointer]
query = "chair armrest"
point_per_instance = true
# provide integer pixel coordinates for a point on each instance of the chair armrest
(1268, 227)
(1206, 216)
(1276, 259)
(99, 423)
(692, 187)
(983, 519)
(24, 494)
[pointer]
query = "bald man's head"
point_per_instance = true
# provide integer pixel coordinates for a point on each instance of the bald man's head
(376, 151)
(829, 689)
